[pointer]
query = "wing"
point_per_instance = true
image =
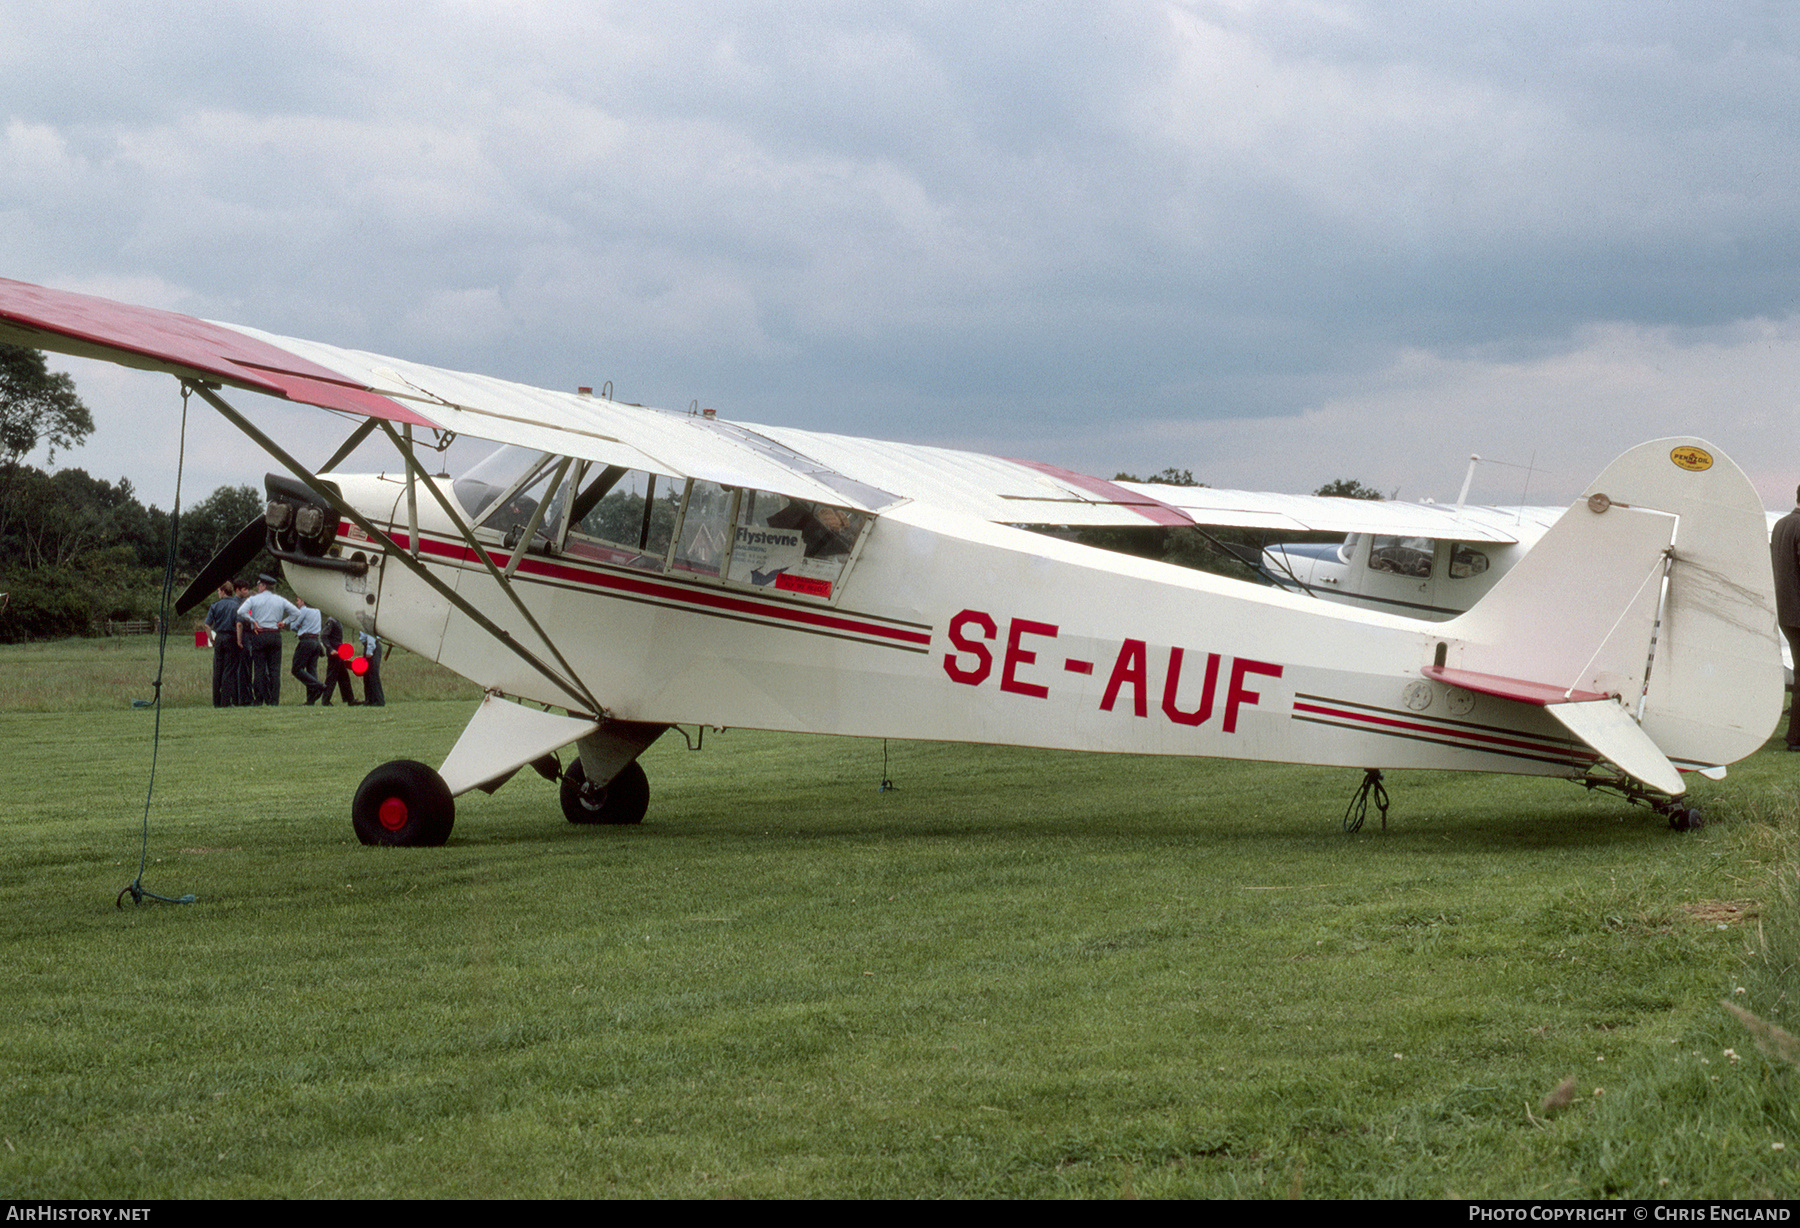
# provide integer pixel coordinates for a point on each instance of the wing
(836, 469)
(841, 469)
(1319, 514)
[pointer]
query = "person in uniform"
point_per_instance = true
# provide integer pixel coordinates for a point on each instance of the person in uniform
(221, 622)
(260, 620)
(337, 671)
(373, 695)
(306, 651)
(240, 588)
(1784, 554)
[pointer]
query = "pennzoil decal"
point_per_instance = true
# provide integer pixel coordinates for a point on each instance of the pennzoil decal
(1692, 459)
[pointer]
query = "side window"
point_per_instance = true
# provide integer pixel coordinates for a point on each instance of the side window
(625, 516)
(705, 534)
(792, 545)
(767, 543)
(1466, 562)
(1406, 556)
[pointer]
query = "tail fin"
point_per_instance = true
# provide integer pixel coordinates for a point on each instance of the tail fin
(1654, 589)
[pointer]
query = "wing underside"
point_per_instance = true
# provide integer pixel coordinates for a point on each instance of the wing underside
(827, 468)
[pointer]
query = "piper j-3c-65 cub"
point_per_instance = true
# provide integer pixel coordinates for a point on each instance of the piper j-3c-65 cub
(637, 569)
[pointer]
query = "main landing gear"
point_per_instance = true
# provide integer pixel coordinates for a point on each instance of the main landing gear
(623, 801)
(1681, 817)
(407, 803)
(403, 803)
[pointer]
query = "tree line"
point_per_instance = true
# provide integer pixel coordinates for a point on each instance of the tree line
(76, 551)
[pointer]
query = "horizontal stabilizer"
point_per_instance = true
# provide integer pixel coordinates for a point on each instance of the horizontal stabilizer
(1540, 694)
(1596, 719)
(503, 737)
(1609, 729)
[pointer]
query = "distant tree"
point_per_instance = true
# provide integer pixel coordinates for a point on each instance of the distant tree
(208, 525)
(1347, 488)
(73, 553)
(1168, 477)
(59, 519)
(37, 406)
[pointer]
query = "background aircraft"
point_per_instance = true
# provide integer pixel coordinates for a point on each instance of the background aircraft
(1423, 560)
(1420, 560)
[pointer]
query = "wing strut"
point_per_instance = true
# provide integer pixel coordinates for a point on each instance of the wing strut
(537, 515)
(468, 536)
(349, 445)
(571, 685)
(412, 495)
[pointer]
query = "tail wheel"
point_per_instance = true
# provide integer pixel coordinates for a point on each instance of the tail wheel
(624, 800)
(403, 803)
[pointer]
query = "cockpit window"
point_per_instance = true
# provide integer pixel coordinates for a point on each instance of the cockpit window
(791, 544)
(1466, 562)
(690, 528)
(514, 512)
(498, 472)
(1406, 556)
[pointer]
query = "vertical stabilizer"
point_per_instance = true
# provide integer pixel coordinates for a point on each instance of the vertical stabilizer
(1716, 687)
(1655, 589)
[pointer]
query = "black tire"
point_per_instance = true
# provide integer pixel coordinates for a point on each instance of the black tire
(623, 801)
(403, 803)
(1688, 819)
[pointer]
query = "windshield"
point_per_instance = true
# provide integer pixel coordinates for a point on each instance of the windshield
(493, 475)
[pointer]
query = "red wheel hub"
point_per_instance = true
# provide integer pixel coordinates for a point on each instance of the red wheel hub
(393, 813)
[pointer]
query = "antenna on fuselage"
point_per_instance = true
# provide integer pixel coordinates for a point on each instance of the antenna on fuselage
(1468, 481)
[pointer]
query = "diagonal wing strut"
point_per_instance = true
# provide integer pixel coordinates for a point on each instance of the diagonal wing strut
(569, 684)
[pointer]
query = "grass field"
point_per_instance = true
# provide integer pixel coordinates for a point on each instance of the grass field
(1018, 974)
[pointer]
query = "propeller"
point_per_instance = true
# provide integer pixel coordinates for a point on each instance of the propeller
(225, 564)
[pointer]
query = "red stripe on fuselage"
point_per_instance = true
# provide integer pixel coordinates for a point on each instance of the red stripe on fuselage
(709, 600)
(1489, 739)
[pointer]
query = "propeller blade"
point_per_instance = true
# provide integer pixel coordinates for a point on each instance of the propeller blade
(225, 564)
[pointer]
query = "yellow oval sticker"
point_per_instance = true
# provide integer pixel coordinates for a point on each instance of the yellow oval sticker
(1692, 459)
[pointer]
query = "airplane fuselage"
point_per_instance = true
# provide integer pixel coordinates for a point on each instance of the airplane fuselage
(948, 627)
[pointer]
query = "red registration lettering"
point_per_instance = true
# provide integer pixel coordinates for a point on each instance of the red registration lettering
(1237, 694)
(1128, 668)
(1172, 684)
(984, 660)
(1017, 656)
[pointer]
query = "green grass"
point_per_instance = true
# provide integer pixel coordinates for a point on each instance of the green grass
(105, 674)
(1020, 974)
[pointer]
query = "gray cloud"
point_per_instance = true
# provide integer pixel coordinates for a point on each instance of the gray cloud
(1025, 226)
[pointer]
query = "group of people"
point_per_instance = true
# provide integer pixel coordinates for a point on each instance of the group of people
(246, 628)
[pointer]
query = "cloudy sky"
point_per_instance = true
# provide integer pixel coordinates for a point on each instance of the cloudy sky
(1273, 243)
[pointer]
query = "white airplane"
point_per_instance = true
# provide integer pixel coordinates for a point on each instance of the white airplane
(637, 569)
